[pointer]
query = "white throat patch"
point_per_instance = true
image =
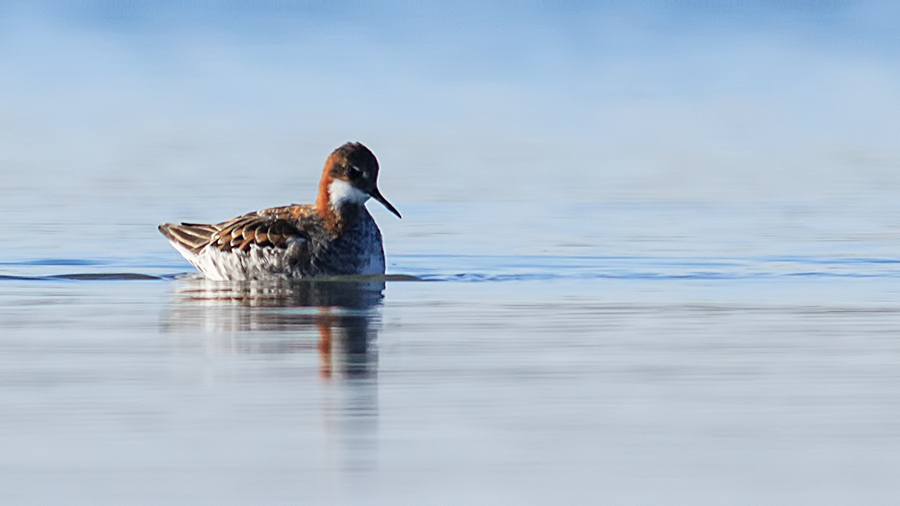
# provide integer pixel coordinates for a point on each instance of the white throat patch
(341, 192)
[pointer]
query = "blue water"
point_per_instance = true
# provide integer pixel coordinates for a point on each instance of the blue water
(648, 255)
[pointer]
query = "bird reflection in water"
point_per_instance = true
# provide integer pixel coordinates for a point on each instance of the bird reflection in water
(256, 318)
(341, 312)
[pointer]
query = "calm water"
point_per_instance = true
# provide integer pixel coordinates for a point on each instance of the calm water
(656, 252)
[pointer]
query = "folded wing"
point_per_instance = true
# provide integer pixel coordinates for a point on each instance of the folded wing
(277, 227)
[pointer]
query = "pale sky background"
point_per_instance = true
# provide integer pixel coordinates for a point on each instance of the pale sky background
(162, 111)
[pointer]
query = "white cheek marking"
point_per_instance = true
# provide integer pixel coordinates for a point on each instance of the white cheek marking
(341, 192)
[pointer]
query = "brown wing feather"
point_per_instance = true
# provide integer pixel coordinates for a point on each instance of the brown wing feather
(193, 236)
(269, 227)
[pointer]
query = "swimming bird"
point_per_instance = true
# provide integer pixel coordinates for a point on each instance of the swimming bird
(335, 236)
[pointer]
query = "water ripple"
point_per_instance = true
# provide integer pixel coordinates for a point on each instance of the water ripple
(498, 268)
(549, 268)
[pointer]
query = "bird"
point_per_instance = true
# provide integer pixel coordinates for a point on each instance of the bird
(335, 236)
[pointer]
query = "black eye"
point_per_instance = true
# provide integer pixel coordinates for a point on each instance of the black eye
(355, 170)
